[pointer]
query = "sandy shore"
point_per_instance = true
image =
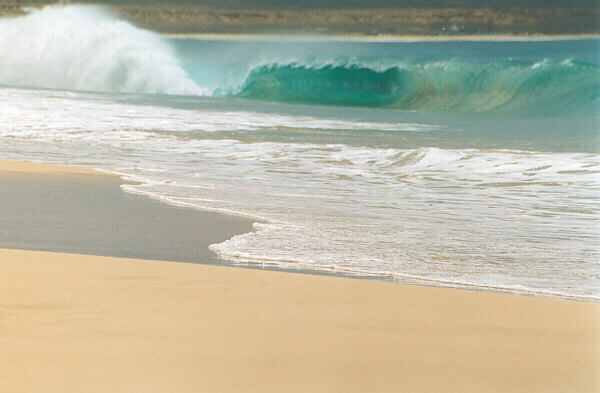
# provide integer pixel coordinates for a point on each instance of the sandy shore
(382, 37)
(48, 208)
(83, 323)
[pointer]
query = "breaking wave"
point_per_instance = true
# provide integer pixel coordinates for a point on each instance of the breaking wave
(545, 86)
(87, 48)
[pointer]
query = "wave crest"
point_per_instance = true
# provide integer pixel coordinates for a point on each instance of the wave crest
(546, 86)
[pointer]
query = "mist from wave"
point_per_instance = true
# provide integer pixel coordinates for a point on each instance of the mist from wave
(87, 48)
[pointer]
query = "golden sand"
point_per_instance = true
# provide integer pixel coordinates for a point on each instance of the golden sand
(75, 323)
(32, 168)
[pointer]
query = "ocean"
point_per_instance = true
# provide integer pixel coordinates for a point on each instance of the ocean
(454, 163)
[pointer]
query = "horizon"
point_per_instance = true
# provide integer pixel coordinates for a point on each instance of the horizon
(341, 4)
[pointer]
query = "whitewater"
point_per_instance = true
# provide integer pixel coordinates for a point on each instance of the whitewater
(466, 164)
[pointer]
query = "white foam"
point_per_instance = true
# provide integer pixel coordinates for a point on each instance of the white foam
(54, 114)
(497, 219)
(86, 48)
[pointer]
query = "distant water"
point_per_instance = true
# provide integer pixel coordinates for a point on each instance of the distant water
(449, 163)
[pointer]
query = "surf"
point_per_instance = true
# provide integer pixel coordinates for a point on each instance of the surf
(453, 86)
(87, 48)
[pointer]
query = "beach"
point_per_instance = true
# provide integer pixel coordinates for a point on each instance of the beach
(312, 200)
(139, 227)
(85, 323)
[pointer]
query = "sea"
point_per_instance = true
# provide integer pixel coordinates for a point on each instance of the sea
(462, 163)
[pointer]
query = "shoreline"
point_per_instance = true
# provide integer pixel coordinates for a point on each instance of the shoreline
(82, 211)
(49, 180)
(371, 21)
(206, 255)
(87, 323)
(378, 38)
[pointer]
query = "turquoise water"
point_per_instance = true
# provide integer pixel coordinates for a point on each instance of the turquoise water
(456, 163)
(538, 78)
(519, 94)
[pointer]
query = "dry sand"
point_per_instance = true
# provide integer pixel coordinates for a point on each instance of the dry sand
(380, 38)
(75, 323)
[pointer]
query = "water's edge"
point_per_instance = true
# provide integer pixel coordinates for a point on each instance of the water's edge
(292, 267)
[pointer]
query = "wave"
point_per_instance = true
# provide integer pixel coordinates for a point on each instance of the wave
(87, 48)
(545, 86)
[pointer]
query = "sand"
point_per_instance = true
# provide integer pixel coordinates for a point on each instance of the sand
(392, 38)
(86, 213)
(83, 323)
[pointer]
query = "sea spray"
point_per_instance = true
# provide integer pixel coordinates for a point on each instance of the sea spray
(87, 48)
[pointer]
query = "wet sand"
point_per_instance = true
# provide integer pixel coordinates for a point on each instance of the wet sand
(85, 323)
(87, 213)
